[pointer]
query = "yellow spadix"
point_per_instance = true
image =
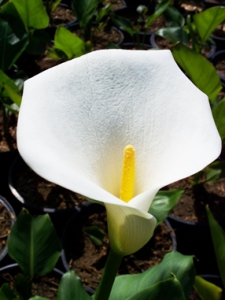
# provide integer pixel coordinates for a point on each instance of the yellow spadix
(128, 174)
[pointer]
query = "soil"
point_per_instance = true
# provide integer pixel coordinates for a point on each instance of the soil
(220, 66)
(41, 193)
(191, 205)
(61, 15)
(5, 226)
(8, 141)
(45, 286)
(88, 260)
(100, 39)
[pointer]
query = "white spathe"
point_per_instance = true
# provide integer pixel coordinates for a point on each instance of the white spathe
(76, 119)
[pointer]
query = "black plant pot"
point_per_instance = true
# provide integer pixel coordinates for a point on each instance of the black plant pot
(74, 243)
(209, 3)
(194, 238)
(12, 217)
(220, 55)
(130, 13)
(154, 44)
(133, 46)
(219, 41)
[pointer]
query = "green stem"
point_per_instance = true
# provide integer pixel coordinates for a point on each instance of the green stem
(111, 267)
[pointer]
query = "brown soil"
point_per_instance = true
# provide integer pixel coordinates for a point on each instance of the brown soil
(39, 192)
(100, 39)
(61, 15)
(8, 141)
(5, 226)
(88, 260)
(220, 66)
(191, 205)
(45, 286)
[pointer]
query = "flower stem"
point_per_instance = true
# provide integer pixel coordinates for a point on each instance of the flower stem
(111, 267)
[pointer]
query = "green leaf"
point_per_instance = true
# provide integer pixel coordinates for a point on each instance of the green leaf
(215, 171)
(173, 34)
(207, 21)
(14, 96)
(6, 293)
(218, 238)
(103, 12)
(169, 289)
(163, 204)
(199, 70)
(95, 234)
(69, 43)
(13, 36)
(206, 289)
(173, 16)
(219, 117)
(71, 288)
(160, 8)
(34, 244)
(5, 80)
(32, 12)
(84, 10)
(123, 23)
(38, 42)
(180, 265)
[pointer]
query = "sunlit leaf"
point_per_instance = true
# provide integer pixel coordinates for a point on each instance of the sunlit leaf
(206, 289)
(201, 72)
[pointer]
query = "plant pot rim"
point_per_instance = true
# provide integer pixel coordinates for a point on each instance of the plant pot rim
(12, 216)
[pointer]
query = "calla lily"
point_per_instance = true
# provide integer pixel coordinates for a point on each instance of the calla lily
(76, 119)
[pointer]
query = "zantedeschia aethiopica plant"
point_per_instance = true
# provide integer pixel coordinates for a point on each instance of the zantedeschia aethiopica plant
(77, 118)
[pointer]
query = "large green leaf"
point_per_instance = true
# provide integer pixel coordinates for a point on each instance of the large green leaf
(84, 10)
(69, 43)
(13, 36)
(206, 289)
(173, 34)
(180, 265)
(169, 289)
(218, 238)
(159, 9)
(163, 203)
(208, 20)
(32, 12)
(34, 244)
(71, 288)
(6, 293)
(199, 70)
(173, 16)
(219, 117)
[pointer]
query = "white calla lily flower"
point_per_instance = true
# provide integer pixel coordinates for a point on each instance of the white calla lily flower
(76, 119)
